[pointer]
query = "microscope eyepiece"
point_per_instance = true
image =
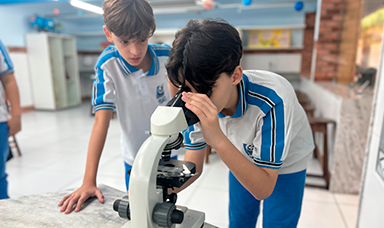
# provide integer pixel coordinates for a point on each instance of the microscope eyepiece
(176, 101)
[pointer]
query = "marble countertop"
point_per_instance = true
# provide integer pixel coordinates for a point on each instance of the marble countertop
(42, 211)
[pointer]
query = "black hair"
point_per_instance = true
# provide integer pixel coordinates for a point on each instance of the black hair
(202, 51)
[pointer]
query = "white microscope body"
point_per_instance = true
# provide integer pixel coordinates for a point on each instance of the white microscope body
(147, 205)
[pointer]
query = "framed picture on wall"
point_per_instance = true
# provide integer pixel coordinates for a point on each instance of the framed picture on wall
(278, 38)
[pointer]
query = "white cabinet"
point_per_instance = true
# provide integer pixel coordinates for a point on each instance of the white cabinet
(278, 63)
(54, 70)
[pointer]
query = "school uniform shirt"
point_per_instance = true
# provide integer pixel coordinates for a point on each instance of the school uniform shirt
(6, 67)
(269, 127)
(133, 93)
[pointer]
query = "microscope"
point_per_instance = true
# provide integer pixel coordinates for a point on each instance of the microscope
(149, 205)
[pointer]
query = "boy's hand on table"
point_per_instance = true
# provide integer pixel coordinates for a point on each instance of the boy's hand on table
(203, 107)
(79, 197)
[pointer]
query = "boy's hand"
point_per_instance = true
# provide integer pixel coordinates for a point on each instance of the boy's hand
(14, 125)
(207, 112)
(79, 197)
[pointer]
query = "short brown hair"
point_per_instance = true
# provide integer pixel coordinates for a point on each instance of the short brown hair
(129, 18)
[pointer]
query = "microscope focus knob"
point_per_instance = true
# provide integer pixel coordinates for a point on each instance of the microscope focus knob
(165, 214)
(122, 207)
(177, 217)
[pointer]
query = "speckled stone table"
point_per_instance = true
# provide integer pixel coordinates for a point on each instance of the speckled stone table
(42, 211)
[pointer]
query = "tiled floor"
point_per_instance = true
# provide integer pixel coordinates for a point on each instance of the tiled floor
(54, 146)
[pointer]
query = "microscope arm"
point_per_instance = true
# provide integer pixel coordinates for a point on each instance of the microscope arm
(143, 193)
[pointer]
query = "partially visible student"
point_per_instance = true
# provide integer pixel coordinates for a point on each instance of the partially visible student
(131, 78)
(252, 119)
(10, 123)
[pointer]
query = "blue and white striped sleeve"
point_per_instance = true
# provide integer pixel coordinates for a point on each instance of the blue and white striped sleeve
(103, 92)
(193, 138)
(269, 143)
(6, 66)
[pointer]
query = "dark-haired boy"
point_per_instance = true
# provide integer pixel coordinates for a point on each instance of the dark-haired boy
(131, 77)
(252, 119)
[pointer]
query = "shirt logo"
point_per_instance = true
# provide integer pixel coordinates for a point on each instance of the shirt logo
(160, 91)
(160, 94)
(248, 148)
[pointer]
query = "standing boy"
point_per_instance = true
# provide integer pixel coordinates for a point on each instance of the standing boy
(131, 77)
(252, 119)
(9, 124)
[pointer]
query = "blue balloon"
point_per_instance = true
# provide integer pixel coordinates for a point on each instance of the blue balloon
(36, 22)
(79, 13)
(40, 23)
(247, 2)
(49, 24)
(299, 6)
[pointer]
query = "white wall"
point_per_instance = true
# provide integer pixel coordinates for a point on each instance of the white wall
(13, 27)
(20, 63)
(372, 192)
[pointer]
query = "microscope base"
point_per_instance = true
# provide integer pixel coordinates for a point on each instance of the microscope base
(192, 219)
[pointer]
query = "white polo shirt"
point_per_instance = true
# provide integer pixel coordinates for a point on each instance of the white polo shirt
(135, 94)
(6, 67)
(269, 127)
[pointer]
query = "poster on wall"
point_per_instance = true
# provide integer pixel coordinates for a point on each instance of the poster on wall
(380, 157)
(280, 38)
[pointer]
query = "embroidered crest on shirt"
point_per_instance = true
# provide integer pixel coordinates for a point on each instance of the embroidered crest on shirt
(160, 94)
(248, 149)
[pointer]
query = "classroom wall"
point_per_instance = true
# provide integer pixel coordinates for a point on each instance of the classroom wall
(89, 33)
(15, 21)
(256, 17)
(13, 26)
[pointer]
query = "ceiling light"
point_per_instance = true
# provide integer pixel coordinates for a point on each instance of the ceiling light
(86, 6)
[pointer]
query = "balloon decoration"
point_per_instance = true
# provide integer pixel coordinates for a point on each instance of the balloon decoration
(56, 11)
(299, 6)
(42, 24)
(247, 2)
(36, 22)
(79, 13)
(208, 4)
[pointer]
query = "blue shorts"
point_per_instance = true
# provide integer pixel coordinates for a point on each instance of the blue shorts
(128, 167)
(4, 151)
(281, 209)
